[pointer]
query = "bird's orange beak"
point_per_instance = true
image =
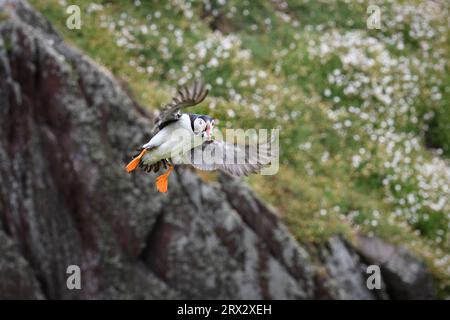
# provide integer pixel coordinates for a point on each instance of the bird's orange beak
(208, 130)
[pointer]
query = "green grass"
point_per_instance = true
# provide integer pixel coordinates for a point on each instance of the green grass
(3, 16)
(356, 120)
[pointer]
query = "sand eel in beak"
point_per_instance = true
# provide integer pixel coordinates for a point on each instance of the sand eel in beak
(183, 138)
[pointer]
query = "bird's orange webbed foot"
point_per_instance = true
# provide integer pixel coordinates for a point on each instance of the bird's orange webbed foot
(134, 163)
(162, 180)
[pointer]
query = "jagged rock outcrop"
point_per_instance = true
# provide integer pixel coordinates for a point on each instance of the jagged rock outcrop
(408, 277)
(66, 129)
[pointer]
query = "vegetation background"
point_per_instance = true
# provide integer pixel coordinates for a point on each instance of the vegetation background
(364, 113)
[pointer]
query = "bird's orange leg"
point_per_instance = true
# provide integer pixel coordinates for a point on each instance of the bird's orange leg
(162, 180)
(134, 163)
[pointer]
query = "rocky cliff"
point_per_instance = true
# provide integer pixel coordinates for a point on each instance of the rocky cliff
(66, 129)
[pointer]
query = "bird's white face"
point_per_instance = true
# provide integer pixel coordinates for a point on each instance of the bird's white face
(199, 125)
(203, 127)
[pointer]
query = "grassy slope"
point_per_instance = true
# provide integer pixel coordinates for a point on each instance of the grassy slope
(356, 106)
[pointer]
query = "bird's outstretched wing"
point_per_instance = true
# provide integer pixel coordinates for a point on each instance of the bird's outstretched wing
(186, 97)
(235, 159)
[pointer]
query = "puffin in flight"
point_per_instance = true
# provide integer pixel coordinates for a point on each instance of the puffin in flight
(187, 138)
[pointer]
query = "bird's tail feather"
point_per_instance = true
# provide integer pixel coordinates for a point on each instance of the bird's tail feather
(135, 162)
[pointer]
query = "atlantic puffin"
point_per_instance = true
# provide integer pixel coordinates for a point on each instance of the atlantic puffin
(183, 138)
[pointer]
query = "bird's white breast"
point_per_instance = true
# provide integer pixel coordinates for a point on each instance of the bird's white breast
(174, 139)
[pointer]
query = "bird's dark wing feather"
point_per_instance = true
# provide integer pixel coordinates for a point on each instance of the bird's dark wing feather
(155, 166)
(235, 159)
(186, 97)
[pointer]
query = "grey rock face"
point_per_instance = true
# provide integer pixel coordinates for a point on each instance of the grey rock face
(345, 270)
(407, 277)
(17, 279)
(66, 130)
